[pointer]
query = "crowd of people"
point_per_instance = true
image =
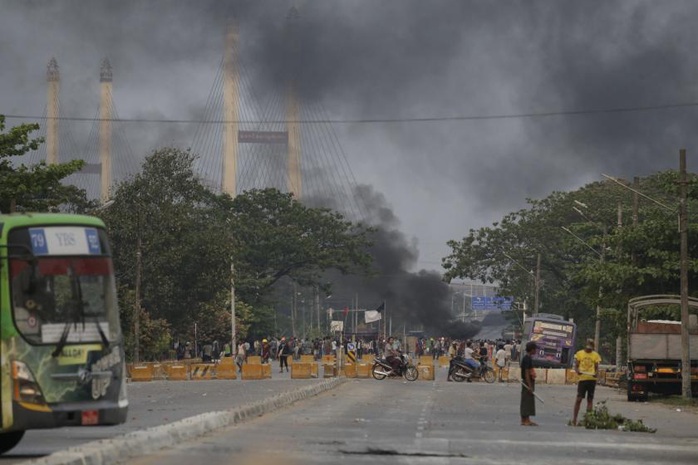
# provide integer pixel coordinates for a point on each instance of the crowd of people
(500, 352)
(272, 348)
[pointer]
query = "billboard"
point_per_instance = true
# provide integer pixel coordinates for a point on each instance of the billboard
(481, 303)
(266, 137)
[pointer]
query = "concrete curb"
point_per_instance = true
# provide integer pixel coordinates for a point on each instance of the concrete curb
(137, 443)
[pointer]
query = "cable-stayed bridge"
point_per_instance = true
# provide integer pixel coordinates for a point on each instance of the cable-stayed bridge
(245, 139)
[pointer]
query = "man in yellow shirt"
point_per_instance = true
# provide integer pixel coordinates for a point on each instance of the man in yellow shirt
(586, 364)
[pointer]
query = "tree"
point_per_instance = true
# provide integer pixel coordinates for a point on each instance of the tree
(595, 260)
(175, 222)
(35, 188)
(275, 236)
(188, 237)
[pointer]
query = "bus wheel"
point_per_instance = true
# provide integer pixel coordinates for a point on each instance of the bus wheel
(9, 440)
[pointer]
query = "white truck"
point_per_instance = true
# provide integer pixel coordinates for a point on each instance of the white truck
(654, 348)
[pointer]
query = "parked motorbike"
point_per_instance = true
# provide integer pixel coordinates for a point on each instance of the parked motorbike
(461, 371)
(382, 369)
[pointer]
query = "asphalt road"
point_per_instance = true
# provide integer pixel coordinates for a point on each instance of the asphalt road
(392, 421)
(389, 421)
(154, 404)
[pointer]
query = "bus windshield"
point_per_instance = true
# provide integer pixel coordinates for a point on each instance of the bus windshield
(50, 293)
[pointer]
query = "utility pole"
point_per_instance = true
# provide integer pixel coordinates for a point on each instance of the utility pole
(293, 311)
(597, 323)
(317, 308)
(232, 306)
(683, 227)
(683, 265)
(137, 304)
(536, 304)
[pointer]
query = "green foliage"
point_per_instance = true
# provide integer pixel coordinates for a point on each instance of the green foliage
(276, 236)
(36, 188)
(155, 340)
(170, 217)
(188, 238)
(592, 253)
(600, 418)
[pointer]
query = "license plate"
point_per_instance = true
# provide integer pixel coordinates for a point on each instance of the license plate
(90, 417)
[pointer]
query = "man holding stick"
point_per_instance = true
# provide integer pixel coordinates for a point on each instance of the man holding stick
(528, 386)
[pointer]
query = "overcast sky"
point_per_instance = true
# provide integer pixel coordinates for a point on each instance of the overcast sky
(397, 59)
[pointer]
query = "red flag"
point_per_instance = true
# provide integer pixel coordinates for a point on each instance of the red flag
(346, 311)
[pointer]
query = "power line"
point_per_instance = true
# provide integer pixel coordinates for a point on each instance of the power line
(668, 106)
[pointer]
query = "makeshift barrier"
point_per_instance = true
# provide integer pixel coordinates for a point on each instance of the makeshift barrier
(201, 371)
(556, 376)
(349, 370)
(363, 370)
(253, 371)
(367, 359)
(329, 370)
(177, 372)
(141, 372)
(301, 370)
(444, 361)
(226, 371)
(426, 360)
(426, 372)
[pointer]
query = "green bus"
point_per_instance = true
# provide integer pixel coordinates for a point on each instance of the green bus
(61, 348)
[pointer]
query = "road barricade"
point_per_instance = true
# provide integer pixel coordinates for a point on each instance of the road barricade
(349, 370)
(367, 359)
(226, 370)
(557, 376)
(329, 370)
(505, 372)
(252, 371)
(426, 372)
(177, 372)
(142, 372)
(515, 373)
(444, 361)
(363, 370)
(254, 359)
(301, 370)
(426, 360)
(200, 371)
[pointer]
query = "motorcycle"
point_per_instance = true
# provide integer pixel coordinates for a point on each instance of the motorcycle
(382, 369)
(461, 371)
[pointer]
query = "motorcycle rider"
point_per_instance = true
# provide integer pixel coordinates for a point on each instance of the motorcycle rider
(458, 355)
(470, 358)
(392, 355)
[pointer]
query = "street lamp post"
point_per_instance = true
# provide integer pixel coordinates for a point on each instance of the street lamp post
(536, 280)
(597, 324)
(602, 257)
(683, 268)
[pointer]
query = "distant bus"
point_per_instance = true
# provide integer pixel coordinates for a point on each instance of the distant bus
(61, 347)
(555, 338)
